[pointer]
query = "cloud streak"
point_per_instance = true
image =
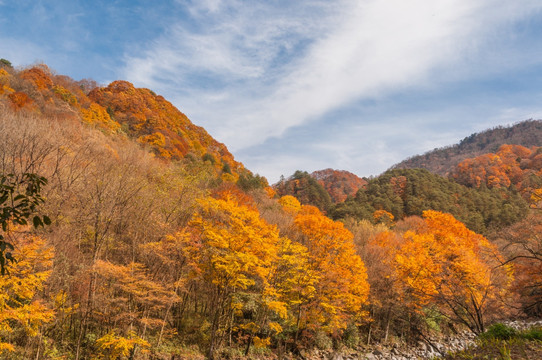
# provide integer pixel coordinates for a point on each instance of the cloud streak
(249, 74)
(354, 84)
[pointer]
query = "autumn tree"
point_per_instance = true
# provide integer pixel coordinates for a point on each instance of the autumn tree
(386, 302)
(384, 217)
(232, 251)
(522, 246)
(132, 304)
(342, 288)
(22, 312)
(445, 264)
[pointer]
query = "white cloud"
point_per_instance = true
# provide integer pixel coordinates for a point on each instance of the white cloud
(250, 73)
(238, 43)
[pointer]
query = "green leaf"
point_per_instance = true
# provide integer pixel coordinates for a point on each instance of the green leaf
(46, 220)
(37, 221)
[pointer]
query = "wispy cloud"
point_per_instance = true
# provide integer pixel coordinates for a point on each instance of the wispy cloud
(357, 84)
(251, 73)
(273, 68)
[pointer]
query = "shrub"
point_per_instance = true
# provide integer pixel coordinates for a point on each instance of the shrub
(6, 63)
(532, 334)
(499, 331)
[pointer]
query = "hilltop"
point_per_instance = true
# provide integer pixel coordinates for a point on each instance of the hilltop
(119, 109)
(320, 188)
(441, 161)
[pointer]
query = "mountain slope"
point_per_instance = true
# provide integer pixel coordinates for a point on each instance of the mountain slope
(321, 188)
(155, 121)
(511, 165)
(441, 161)
(406, 192)
(118, 108)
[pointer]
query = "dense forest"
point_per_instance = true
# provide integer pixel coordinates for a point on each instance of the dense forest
(130, 233)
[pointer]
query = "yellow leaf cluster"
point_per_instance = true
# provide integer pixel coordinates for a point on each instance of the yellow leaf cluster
(18, 306)
(290, 204)
(116, 347)
(98, 115)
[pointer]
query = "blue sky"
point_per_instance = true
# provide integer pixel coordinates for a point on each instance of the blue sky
(357, 85)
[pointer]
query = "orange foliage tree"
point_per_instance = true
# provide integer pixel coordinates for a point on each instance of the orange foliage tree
(342, 288)
(445, 264)
(383, 216)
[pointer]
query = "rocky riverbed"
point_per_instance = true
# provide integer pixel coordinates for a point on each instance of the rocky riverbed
(429, 349)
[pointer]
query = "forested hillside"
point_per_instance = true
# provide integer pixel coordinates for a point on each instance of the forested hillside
(129, 233)
(119, 109)
(339, 183)
(441, 161)
(150, 249)
(412, 191)
(320, 188)
(512, 166)
(306, 189)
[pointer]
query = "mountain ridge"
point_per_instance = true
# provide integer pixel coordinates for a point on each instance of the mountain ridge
(442, 160)
(119, 107)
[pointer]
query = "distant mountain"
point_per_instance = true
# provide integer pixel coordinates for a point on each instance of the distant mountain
(321, 188)
(339, 183)
(306, 189)
(511, 165)
(441, 161)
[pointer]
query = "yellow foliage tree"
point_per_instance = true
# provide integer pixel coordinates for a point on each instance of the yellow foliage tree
(20, 306)
(130, 297)
(294, 281)
(290, 204)
(232, 251)
(115, 347)
(98, 115)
